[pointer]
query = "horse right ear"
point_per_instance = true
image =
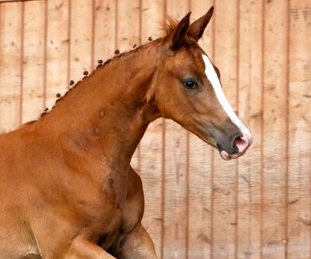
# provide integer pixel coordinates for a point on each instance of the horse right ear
(197, 28)
(175, 37)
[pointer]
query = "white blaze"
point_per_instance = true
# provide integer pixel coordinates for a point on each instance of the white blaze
(213, 78)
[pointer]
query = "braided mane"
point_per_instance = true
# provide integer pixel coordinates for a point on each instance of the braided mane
(100, 65)
(168, 26)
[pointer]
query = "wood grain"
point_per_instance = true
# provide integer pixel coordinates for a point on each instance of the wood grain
(57, 49)
(81, 38)
(250, 111)
(275, 130)
(299, 139)
(10, 65)
(104, 30)
(33, 99)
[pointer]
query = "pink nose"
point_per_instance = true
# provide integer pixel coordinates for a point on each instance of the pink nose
(242, 143)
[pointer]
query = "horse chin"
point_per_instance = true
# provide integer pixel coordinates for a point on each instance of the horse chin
(224, 155)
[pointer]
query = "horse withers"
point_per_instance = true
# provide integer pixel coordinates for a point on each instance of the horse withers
(67, 190)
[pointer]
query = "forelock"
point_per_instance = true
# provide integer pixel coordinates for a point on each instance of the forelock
(169, 25)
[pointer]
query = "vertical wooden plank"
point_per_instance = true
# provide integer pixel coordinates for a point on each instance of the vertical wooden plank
(33, 60)
(81, 37)
(57, 49)
(128, 24)
(176, 172)
(10, 66)
(275, 130)
(200, 167)
(250, 111)
(151, 173)
(225, 172)
(128, 34)
(299, 164)
(151, 144)
(105, 29)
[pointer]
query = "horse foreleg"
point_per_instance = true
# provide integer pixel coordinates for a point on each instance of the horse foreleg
(136, 245)
(83, 247)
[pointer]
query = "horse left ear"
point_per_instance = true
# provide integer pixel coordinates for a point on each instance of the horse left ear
(197, 28)
(175, 38)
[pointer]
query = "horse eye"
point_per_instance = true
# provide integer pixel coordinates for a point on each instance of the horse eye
(190, 84)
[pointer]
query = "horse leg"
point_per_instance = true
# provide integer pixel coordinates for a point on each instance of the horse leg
(31, 256)
(136, 245)
(84, 247)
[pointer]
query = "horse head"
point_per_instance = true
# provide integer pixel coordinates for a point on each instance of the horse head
(188, 90)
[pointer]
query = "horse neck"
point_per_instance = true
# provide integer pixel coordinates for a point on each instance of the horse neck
(108, 112)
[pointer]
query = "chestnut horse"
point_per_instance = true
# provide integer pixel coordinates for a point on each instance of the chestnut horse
(67, 190)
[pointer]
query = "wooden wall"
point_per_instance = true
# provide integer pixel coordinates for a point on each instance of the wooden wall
(197, 205)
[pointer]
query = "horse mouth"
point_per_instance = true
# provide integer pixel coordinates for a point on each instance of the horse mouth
(225, 156)
(236, 148)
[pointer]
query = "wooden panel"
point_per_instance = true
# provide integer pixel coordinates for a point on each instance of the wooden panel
(176, 172)
(128, 33)
(57, 52)
(274, 130)
(250, 111)
(151, 173)
(11, 1)
(128, 24)
(151, 146)
(105, 29)
(299, 141)
(81, 37)
(33, 99)
(200, 165)
(225, 175)
(10, 66)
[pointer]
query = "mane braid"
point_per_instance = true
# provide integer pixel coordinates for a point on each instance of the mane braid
(101, 65)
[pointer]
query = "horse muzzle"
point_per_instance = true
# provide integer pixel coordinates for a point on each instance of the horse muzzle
(237, 147)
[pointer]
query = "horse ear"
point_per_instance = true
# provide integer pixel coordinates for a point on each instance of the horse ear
(197, 28)
(175, 37)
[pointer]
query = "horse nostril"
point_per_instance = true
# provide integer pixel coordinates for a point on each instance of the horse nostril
(241, 143)
(238, 141)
